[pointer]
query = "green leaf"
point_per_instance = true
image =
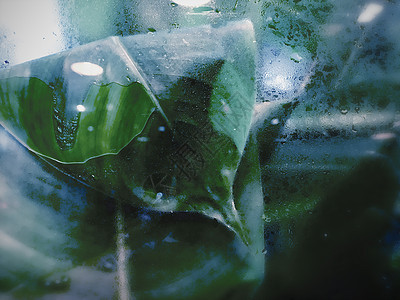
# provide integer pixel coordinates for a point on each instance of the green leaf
(58, 239)
(185, 120)
(27, 110)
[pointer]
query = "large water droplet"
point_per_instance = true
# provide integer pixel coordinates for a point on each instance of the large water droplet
(275, 121)
(80, 108)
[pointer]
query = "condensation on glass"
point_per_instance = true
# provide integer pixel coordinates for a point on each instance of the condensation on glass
(263, 159)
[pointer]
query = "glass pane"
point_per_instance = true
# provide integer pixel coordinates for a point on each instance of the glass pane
(209, 149)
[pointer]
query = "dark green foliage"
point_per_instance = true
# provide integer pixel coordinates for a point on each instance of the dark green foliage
(339, 250)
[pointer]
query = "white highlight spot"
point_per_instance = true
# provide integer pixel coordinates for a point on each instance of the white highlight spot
(90, 128)
(370, 12)
(86, 69)
(80, 108)
(279, 82)
(191, 3)
(275, 121)
(296, 57)
(383, 136)
(161, 128)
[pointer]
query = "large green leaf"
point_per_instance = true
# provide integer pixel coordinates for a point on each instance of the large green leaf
(58, 240)
(199, 83)
(27, 110)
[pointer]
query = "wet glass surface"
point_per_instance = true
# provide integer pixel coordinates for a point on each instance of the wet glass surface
(199, 149)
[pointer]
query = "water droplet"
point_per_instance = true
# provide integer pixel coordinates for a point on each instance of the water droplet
(265, 251)
(275, 121)
(143, 139)
(344, 111)
(90, 128)
(161, 128)
(66, 130)
(128, 78)
(173, 4)
(80, 108)
(159, 196)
